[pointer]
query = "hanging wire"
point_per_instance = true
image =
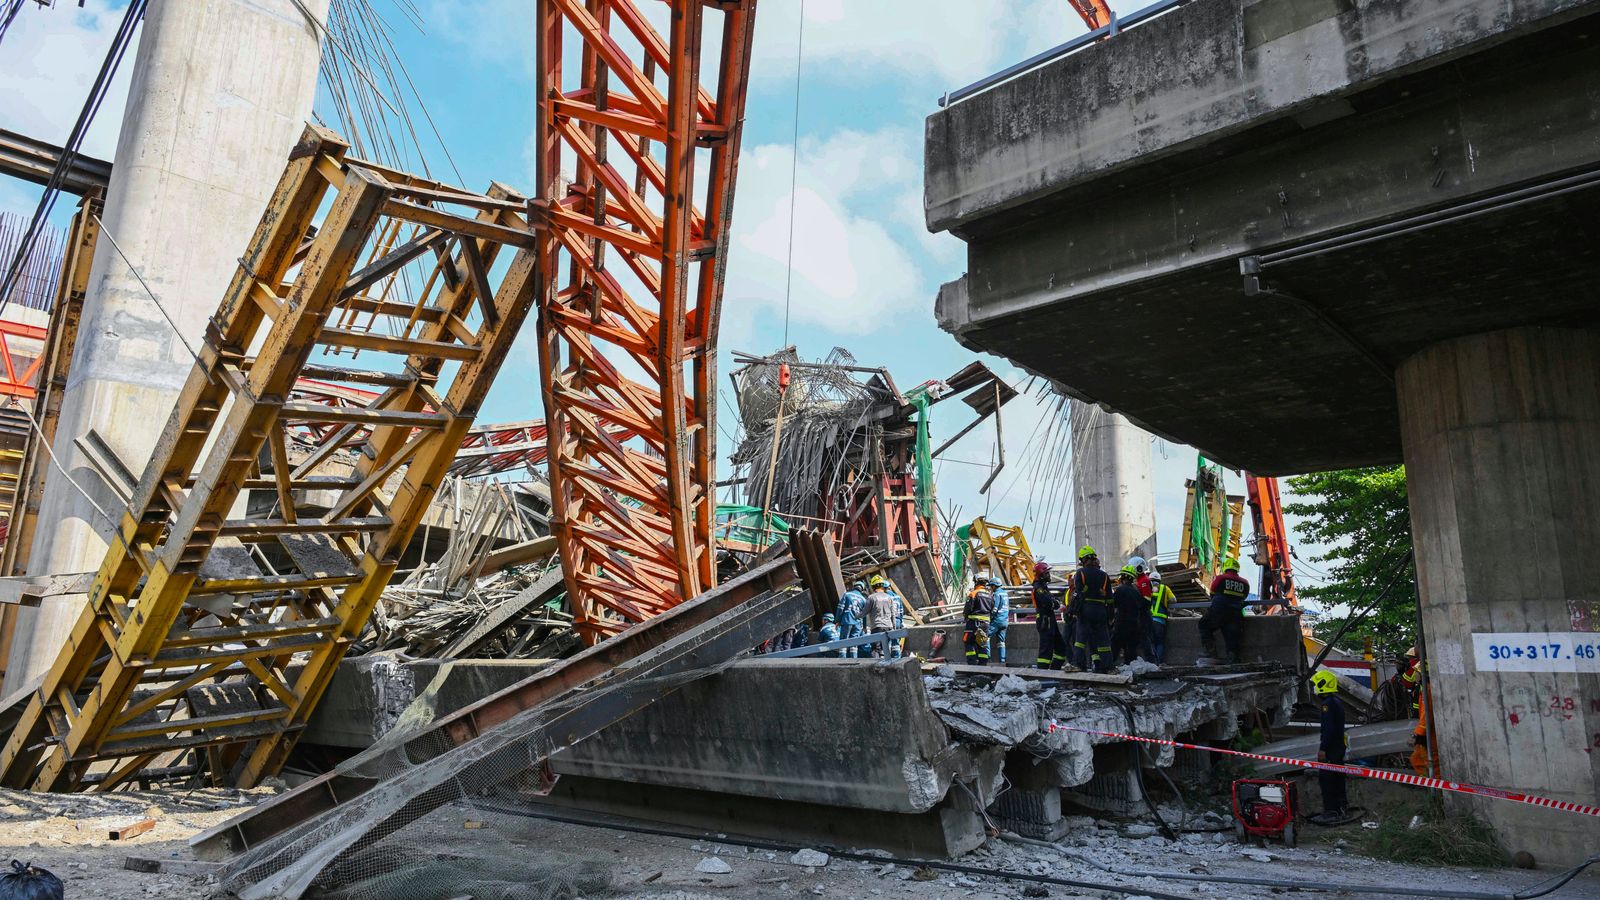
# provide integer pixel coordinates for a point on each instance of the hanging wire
(794, 168)
(69, 152)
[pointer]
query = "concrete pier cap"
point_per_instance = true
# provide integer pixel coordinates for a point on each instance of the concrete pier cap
(1413, 188)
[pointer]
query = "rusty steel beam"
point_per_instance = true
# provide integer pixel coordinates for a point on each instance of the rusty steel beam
(632, 255)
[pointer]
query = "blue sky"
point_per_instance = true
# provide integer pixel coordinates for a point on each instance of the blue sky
(865, 270)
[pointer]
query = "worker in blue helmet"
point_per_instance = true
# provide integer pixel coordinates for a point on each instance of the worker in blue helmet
(828, 633)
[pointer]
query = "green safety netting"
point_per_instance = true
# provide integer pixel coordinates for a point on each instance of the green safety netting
(745, 523)
(958, 562)
(1207, 481)
(924, 452)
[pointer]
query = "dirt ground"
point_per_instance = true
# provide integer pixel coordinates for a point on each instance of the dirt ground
(70, 836)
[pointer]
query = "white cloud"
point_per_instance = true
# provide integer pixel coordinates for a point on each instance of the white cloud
(852, 269)
(953, 41)
(51, 59)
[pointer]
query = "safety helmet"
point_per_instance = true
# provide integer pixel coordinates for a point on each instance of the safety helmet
(828, 617)
(1137, 562)
(877, 581)
(1155, 576)
(1041, 568)
(1130, 572)
(1085, 552)
(980, 581)
(858, 585)
(1230, 565)
(1412, 652)
(1324, 682)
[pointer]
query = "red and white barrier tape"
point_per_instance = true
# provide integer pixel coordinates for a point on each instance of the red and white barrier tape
(1362, 772)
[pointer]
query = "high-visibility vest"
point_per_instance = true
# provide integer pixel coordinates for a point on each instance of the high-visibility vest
(1161, 599)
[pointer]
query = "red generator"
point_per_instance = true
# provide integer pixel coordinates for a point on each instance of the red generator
(1265, 808)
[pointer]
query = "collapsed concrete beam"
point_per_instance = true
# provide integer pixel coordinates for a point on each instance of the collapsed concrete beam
(313, 852)
(326, 792)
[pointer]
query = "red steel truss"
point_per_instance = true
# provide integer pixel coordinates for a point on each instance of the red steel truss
(16, 379)
(631, 253)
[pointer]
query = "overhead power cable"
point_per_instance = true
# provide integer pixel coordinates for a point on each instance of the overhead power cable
(794, 168)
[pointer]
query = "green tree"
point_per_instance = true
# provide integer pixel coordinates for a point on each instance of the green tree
(1361, 516)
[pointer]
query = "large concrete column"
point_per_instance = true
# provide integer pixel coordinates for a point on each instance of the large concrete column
(1502, 450)
(1115, 502)
(220, 91)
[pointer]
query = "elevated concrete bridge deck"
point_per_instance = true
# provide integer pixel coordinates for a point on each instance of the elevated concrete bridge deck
(1108, 197)
(1312, 234)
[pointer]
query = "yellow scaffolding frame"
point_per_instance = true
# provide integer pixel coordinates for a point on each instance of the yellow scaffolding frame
(178, 662)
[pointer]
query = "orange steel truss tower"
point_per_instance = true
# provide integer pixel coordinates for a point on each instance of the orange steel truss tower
(638, 141)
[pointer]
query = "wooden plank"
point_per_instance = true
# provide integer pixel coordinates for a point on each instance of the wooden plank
(131, 830)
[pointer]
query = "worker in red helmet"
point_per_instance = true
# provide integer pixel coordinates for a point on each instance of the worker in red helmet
(1052, 649)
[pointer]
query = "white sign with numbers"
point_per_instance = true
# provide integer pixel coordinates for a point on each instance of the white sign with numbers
(1537, 651)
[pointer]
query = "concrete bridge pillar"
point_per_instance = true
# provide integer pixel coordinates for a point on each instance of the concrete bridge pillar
(1115, 507)
(1501, 436)
(220, 91)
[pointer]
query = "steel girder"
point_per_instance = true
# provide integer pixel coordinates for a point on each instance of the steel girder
(174, 654)
(632, 251)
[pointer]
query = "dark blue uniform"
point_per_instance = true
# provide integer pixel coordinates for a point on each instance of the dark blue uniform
(1228, 593)
(1091, 605)
(1052, 649)
(1332, 747)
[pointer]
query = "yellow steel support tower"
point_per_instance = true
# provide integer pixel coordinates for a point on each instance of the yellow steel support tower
(1002, 550)
(208, 639)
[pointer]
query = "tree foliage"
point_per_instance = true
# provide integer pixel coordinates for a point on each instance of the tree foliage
(1361, 517)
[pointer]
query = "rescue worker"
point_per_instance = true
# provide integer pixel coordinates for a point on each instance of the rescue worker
(1002, 618)
(1052, 650)
(1130, 614)
(975, 614)
(1091, 608)
(1141, 575)
(880, 613)
(1161, 600)
(828, 633)
(1331, 747)
(1419, 707)
(1228, 594)
(851, 612)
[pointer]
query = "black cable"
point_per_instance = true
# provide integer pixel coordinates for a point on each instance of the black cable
(10, 14)
(1138, 768)
(1405, 563)
(69, 152)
